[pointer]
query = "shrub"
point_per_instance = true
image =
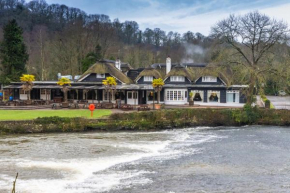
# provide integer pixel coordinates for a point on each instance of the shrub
(267, 104)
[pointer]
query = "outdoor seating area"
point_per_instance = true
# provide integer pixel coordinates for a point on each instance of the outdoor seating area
(25, 103)
(126, 107)
(83, 104)
(143, 108)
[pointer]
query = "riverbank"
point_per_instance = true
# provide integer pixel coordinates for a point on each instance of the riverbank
(153, 120)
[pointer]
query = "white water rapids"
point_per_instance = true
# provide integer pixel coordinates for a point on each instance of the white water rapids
(245, 159)
(82, 162)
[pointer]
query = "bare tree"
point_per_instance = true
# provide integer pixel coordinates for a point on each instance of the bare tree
(252, 36)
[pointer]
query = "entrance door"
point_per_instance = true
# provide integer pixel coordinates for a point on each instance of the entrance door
(232, 97)
(132, 97)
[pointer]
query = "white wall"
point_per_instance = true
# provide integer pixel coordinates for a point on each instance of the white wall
(23, 97)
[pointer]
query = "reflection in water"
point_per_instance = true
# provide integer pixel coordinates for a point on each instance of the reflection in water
(184, 160)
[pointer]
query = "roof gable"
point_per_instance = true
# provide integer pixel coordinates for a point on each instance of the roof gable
(179, 71)
(149, 72)
(106, 68)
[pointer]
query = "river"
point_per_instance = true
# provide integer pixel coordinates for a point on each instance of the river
(224, 159)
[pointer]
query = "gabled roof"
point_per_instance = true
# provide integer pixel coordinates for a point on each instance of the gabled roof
(197, 73)
(179, 70)
(103, 67)
(149, 72)
(123, 64)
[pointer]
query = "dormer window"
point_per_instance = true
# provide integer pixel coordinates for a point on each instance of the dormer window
(177, 78)
(209, 79)
(101, 76)
(148, 78)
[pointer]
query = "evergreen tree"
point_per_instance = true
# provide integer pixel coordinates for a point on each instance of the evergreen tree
(13, 53)
(92, 58)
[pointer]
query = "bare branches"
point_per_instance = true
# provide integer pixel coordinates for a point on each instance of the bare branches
(252, 35)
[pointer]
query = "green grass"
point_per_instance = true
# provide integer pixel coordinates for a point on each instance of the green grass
(33, 114)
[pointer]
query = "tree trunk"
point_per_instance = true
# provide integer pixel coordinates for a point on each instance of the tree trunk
(158, 96)
(28, 95)
(109, 92)
(65, 96)
(250, 92)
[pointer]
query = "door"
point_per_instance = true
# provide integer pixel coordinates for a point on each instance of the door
(132, 97)
(232, 97)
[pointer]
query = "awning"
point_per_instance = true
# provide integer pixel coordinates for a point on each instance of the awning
(12, 86)
(84, 87)
(45, 86)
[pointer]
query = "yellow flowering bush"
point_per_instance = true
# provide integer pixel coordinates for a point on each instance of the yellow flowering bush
(110, 86)
(64, 81)
(157, 85)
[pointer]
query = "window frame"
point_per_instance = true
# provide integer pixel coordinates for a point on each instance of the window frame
(101, 76)
(176, 95)
(177, 78)
(218, 94)
(148, 78)
(209, 79)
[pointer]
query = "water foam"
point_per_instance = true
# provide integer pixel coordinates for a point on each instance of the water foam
(86, 175)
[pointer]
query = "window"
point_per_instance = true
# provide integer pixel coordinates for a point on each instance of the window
(197, 95)
(177, 78)
(213, 96)
(209, 79)
(100, 75)
(132, 95)
(233, 96)
(150, 95)
(148, 78)
(176, 95)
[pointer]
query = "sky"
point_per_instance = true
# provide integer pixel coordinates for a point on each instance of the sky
(179, 15)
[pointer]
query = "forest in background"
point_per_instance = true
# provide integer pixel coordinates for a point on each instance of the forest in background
(66, 40)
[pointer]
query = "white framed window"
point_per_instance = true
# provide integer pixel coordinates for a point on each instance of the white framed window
(213, 96)
(198, 95)
(233, 96)
(148, 78)
(101, 76)
(177, 78)
(132, 95)
(209, 79)
(176, 95)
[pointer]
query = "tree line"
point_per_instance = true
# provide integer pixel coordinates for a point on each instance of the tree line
(252, 48)
(61, 38)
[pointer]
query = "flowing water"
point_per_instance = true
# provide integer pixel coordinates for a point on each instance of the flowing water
(245, 159)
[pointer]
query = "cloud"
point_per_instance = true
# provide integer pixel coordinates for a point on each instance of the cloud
(179, 15)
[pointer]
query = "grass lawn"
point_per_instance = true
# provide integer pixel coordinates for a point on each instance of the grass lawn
(32, 114)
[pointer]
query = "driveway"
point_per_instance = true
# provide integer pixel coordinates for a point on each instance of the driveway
(280, 102)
